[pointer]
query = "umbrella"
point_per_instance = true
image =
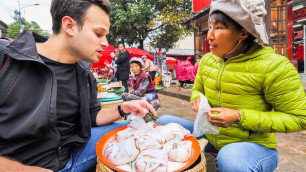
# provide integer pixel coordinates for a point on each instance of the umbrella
(170, 60)
(105, 58)
(136, 52)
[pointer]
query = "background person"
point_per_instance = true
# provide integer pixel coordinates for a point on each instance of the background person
(149, 67)
(114, 56)
(123, 66)
(51, 118)
(254, 90)
(142, 84)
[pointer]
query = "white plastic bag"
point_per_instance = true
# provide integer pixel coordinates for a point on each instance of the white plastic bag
(201, 124)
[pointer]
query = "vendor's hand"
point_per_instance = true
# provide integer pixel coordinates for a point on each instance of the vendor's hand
(195, 104)
(223, 117)
(138, 107)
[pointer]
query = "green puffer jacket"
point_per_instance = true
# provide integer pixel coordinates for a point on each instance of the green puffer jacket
(263, 85)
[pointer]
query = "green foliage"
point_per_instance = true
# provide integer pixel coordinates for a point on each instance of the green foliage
(13, 29)
(162, 21)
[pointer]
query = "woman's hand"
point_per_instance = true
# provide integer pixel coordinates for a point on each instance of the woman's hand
(223, 117)
(195, 104)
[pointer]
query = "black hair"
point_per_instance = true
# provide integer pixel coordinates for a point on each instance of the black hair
(121, 44)
(75, 9)
(220, 17)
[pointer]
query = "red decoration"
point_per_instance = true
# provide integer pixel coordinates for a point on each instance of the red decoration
(198, 5)
(105, 58)
(136, 52)
(299, 14)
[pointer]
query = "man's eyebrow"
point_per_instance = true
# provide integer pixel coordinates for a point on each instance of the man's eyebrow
(104, 29)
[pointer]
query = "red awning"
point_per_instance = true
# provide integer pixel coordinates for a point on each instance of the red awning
(105, 58)
(136, 52)
(170, 60)
(198, 5)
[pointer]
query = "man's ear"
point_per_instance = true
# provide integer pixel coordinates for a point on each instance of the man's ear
(69, 25)
(244, 34)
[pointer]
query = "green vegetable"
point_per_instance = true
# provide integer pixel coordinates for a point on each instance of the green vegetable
(117, 91)
(150, 117)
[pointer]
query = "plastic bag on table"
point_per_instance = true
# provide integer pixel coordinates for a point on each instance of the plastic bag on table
(179, 151)
(173, 131)
(119, 153)
(150, 140)
(201, 123)
(135, 129)
(152, 160)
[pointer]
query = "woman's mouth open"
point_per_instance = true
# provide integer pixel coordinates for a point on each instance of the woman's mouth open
(212, 46)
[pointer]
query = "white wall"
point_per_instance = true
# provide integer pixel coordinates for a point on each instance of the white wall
(186, 43)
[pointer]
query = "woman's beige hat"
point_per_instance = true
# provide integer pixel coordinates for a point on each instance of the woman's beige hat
(248, 13)
(137, 59)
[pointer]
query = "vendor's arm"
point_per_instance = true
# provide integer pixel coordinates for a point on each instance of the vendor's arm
(137, 107)
(13, 166)
(143, 86)
(284, 91)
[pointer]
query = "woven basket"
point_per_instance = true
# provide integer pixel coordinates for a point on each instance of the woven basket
(198, 166)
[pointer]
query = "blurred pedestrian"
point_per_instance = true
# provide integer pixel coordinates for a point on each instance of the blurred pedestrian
(114, 56)
(149, 67)
(123, 66)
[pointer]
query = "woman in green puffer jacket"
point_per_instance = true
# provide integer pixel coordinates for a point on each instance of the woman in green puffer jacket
(255, 91)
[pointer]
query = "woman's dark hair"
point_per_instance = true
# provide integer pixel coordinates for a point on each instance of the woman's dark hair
(220, 17)
(138, 63)
(75, 9)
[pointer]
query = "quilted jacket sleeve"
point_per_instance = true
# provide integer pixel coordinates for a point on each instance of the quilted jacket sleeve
(284, 91)
(198, 86)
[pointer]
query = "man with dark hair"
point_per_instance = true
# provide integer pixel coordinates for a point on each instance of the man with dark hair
(51, 118)
(123, 66)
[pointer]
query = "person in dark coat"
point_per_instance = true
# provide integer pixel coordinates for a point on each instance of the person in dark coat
(123, 66)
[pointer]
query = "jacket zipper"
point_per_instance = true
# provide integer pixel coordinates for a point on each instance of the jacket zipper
(218, 83)
(59, 149)
(218, 96)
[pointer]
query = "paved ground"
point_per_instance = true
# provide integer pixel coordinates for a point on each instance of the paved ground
(291, 147)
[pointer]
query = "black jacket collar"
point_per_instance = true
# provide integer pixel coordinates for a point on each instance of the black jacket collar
(24, 48)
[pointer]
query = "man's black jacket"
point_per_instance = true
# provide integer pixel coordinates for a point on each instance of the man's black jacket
(28, 116)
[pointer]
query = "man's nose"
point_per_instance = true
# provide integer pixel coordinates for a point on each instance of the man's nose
(104, 42)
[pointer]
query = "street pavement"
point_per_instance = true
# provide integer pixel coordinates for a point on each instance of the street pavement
(291, 146)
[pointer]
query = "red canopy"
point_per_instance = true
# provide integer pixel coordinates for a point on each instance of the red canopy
(136, 52)
(170, 60)
(105, 58)
(198, 5)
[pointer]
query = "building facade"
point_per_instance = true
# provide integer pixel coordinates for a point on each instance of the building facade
(285, 23)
